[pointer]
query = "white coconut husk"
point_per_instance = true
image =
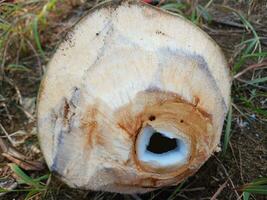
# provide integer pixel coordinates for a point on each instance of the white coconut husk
(125, 70)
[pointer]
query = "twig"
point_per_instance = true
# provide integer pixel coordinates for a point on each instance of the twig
(246, 82)
(242, 113)
(220, 189)
(226, 173)
(3, 145)
(10, 150)
(48, 183)
(4, 57)
(7, 111)
(7, 135)
(212, 31)
(228, 23)
(28, 115)
(37, 57)
(240, 161)
(25, 164)
(136, 197)
(233, 153)
(246, 135)
(11, 187)
(194, 189)
(10, 82)
(250, 68)
(13, 155)
(15, 133)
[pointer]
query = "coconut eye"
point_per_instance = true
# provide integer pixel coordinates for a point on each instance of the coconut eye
(161, 149)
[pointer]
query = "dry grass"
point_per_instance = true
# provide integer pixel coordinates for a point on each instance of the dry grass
(29, 34)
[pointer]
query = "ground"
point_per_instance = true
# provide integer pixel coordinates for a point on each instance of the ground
(30, 32)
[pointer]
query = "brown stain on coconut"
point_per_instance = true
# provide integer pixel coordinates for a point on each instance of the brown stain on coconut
(128, 122)
(90, 126)
(66, 111)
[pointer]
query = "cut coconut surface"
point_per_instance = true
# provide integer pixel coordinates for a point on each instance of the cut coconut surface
(162, 148)
(133, 99)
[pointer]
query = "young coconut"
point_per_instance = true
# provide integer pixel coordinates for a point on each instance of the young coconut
(134, 99)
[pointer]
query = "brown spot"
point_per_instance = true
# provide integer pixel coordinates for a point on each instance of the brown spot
(152, 118)
(160, 33)
(66, 111)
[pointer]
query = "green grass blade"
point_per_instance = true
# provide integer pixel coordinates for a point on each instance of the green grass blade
(251, 46)
(23, 190)
(245, 57)
(24, 177)
(177, 190)
(16, 67)
(31, 194)
(36, 36)
(256, 55)
(249, 105)
(258, 186)
(259, 189)
(259, 181)
(227, 130)
(246, 195)
(2, 190)
(193, 17)
(204, 13)
(178, 6)
(174, 7)
(41, 178)
(258, 80)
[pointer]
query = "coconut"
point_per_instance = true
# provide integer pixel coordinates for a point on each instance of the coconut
(134, 99)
